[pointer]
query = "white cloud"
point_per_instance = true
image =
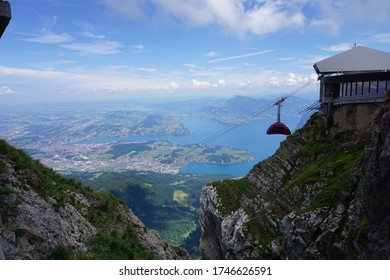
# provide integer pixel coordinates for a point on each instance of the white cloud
(244, 85)
(332, 15)
(221, 83)
(272, 17)
(286, 58)
(49, 38)
(274, 82)
(257, 17)
(190, 65)
(103, 80)
(292, 79)
(138, 47)
(6, 90)
(31, 73)
(196, 84)
(173, 85)
(380, 38)
(88, 29)
(338, 47)
(239, 56)
(200, 84)
(100, 48)
(212, 54)
(145, 69)
(89, 34)
(235, 16)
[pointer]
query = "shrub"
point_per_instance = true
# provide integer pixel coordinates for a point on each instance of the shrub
(111, 246)
(60, 252)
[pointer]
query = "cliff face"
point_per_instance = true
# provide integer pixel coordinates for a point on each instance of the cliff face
(324, 194)
(43, 215)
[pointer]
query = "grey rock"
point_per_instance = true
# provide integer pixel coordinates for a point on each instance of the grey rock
(296, 212)
(33, 224)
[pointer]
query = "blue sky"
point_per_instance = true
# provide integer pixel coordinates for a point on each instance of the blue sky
(93, 49)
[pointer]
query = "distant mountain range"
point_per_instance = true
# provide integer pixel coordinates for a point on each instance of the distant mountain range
(238, 107)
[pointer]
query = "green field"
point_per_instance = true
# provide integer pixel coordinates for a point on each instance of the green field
(167, 203)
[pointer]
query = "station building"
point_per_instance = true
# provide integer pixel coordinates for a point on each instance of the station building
(359, 75)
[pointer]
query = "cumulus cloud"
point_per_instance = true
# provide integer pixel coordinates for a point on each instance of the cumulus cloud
(173, 85)
(200, 84)
(273, 16)
(257, 17)
(6, 90)
(291, 80)
(221, 83)
(274, 82)
(237, 16)
(196, 84)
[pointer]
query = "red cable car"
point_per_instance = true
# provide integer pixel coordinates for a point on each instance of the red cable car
(279, 127)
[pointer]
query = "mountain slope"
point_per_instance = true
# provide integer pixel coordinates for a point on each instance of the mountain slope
(323, 195)
(43, 215)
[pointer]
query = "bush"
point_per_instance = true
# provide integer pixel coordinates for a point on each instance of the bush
(111, 246)
(60, 253)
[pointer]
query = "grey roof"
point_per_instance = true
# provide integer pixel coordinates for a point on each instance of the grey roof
(357, 59)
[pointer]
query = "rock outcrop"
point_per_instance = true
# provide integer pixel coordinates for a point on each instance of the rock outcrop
(43, 215)
(324, 194)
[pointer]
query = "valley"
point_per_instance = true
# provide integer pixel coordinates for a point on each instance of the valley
(150, 155)
(168, 203)
(74, 138)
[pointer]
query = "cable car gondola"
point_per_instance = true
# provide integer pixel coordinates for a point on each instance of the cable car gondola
(279, 127)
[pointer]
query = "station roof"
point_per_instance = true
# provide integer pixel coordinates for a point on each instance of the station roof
(358, 59)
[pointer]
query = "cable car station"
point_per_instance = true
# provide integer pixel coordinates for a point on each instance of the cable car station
(359, 75)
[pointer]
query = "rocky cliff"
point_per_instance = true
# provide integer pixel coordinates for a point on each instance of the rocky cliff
(324, 194)
(43, 215)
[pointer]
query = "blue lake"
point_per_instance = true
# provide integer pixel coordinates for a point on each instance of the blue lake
(250, 136)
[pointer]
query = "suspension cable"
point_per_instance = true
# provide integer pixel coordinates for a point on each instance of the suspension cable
(245, 119)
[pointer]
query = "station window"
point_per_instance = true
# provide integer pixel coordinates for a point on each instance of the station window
(359, 88)
(381, 86)
(342, 89)
(363, 88)
(366, 87)
(348, 89)
(353, 88)
(373, 87)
